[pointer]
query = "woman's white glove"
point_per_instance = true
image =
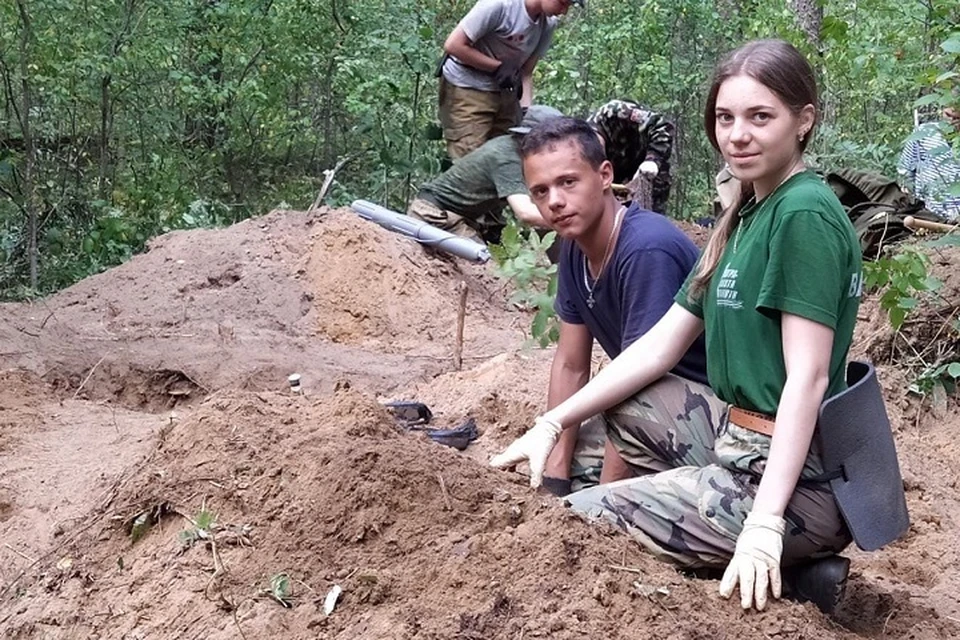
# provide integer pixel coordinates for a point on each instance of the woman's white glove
(649, 168)
(534, 446)
(756, 561)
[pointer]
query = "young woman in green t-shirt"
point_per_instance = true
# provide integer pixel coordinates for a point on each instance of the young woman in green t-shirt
(723, 476)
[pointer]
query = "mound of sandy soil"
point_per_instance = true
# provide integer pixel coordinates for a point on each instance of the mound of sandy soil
(423, 542)
(391, 297)
(21, 414)
(159, 480)
(252, 303)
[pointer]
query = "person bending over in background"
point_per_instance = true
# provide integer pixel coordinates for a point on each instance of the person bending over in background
(929, 167)
(638, 141)
(468, 198)
(486, 74)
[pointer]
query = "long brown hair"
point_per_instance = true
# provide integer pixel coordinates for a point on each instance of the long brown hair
(778, 66)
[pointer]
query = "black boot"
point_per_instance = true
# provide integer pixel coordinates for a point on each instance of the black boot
(821, 582)
(560, 487)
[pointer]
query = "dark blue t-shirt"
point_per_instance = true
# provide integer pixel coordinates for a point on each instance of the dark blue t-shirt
(651, 260)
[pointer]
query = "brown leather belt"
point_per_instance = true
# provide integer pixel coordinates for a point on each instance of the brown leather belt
(752, 420)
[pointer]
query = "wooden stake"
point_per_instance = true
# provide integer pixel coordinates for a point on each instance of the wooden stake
(94, 368)
(443, 490)
(461, 314)
(328, 181)
(912, 223)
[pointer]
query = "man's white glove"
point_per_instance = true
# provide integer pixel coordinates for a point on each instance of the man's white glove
(756, 561)
(534, 446)
(649, 168)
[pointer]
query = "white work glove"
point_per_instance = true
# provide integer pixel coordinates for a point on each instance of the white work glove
(649, 168)
(756, 561)
(534, 446)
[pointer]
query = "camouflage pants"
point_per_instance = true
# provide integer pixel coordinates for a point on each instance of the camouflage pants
(660, 191)
(698, 476)
(425, 210)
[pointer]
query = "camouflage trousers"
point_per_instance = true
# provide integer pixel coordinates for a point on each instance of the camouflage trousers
(697, 478)
(423, 209)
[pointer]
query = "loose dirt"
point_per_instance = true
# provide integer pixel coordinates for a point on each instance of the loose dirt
(158, 479)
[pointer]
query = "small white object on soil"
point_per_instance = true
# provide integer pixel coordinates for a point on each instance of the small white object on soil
(330, 602)
(294, 380)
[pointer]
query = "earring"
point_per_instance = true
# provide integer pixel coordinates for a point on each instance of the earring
(801, 136)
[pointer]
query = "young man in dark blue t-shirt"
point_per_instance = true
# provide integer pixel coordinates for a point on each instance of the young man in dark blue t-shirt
(619, 271)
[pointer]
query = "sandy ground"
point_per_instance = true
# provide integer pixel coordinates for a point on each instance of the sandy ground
(159, 480)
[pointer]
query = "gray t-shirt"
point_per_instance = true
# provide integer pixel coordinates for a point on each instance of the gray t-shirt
(479, 183)
(501, 29)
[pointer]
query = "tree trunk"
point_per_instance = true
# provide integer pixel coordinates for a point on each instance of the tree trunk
(810, 18)
(106, 124)
(204, 123)
(30, 152)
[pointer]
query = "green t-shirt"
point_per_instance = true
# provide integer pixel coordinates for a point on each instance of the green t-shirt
(795, 252)
(478, 184)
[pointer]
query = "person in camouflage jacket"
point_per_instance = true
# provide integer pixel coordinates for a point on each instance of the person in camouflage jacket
(638, 143)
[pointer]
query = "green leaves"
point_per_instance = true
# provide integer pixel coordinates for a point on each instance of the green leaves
(521, 258)
(834, 28)
(944, 376)
(150, 108)
(930, 98)
(141, 525)
(280, 589)
(203, 526)
(952, 45)
(903, 279)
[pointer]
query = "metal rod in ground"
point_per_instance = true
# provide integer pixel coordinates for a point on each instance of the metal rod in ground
(461, 314)
(424, 233)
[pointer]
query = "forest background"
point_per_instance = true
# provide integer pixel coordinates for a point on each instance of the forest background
(123, 119)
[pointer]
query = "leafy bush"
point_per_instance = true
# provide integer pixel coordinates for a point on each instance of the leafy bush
(521, 258)
(903, 279)
(144, 108)
(944, 376)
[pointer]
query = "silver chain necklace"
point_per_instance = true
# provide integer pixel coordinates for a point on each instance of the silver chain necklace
(603, 263)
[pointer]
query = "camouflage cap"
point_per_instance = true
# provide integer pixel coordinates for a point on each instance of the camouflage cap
(535, 114)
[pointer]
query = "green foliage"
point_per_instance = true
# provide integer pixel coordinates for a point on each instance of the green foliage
(943, 79)
(280, 589)
(521, 258)
(140, 111)
(141, 525)
(143, 110)
(902, 278)
(203, 526)
(942, 376)
(143, 522)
